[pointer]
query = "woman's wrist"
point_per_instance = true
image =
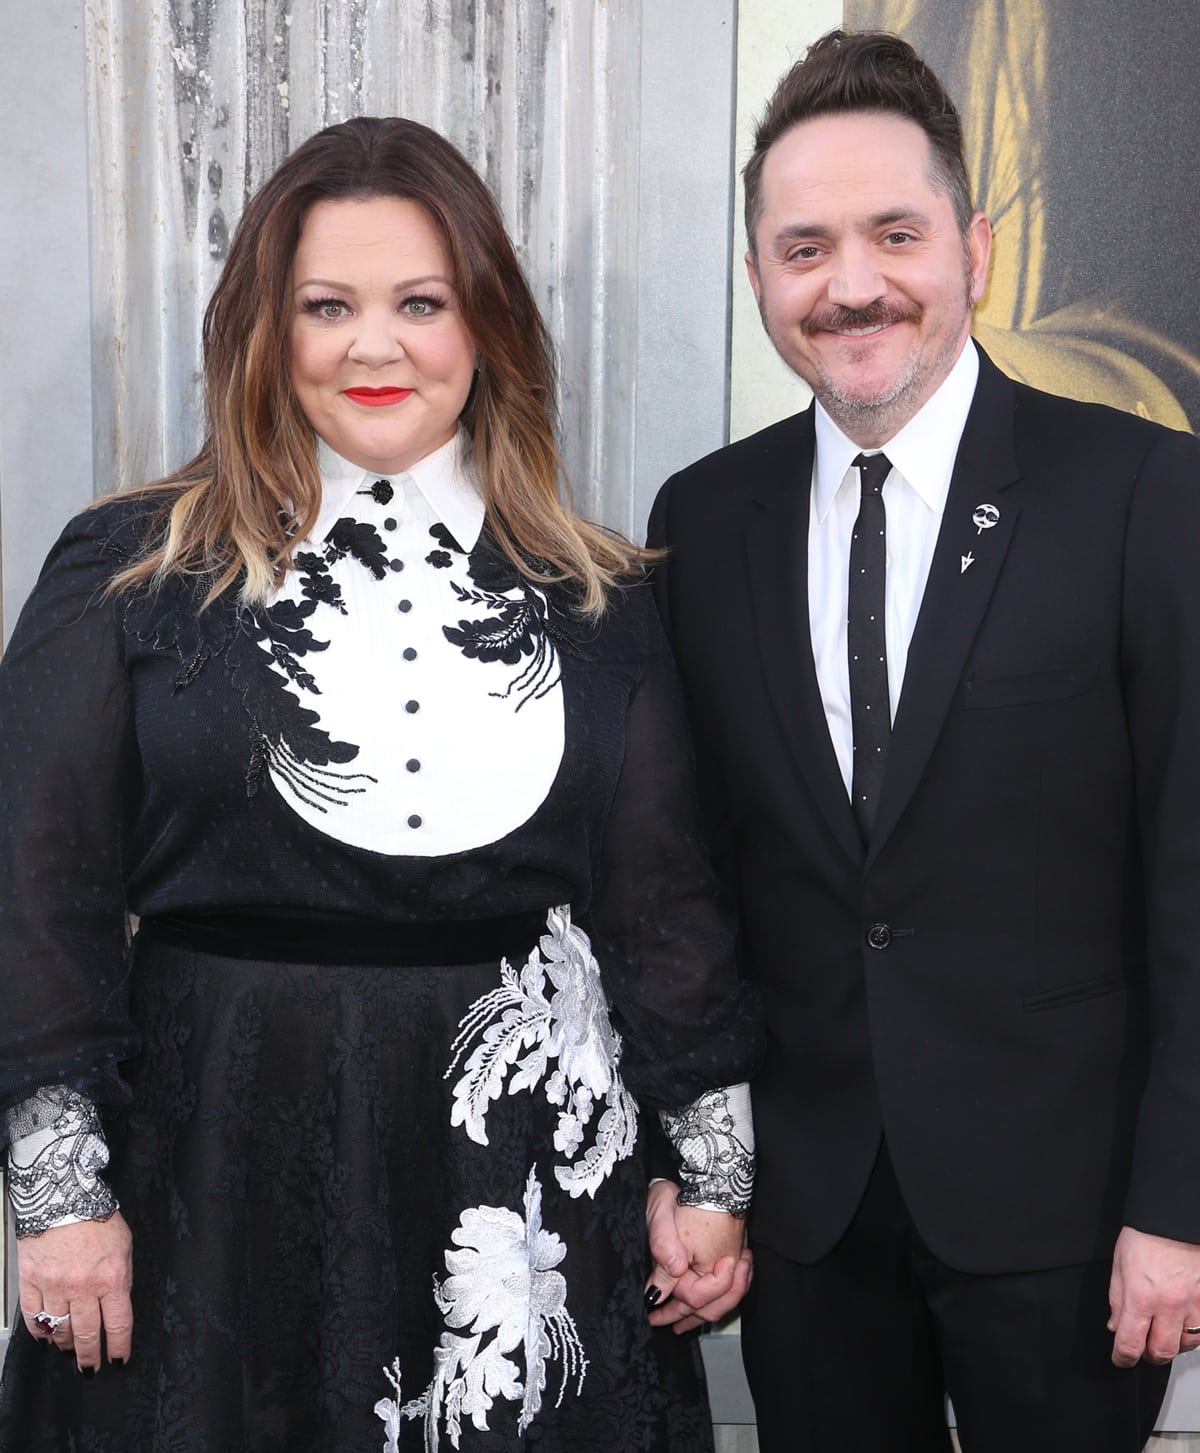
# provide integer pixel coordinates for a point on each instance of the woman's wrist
(714, 1139)
(56, 1155)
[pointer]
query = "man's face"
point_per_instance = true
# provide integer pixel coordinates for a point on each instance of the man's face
(863, 278)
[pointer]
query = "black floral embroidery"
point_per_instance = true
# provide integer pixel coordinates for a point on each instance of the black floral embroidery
(286, 635)
(288, 738)
(381, 491)
(515, 628)
(173, 617)
(316, 582)
(286, 735)
(361, 542)
(443, 558)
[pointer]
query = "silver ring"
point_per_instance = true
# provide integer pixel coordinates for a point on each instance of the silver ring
(1192, 1331)
(51, 1322)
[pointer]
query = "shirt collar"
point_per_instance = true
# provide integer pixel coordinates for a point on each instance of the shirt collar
(923, 451)
(445, 478)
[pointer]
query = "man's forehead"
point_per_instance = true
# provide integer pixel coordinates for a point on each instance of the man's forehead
(852, 147)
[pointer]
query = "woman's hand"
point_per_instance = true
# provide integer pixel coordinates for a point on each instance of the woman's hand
(85, 1269)
(702, 1265)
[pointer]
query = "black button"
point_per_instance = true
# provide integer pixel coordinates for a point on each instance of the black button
(389, 523)
(404, 607)
(409, 654)
(396, 564)
(414, 821)
(413, 765)
(879, 935)
(412, 706)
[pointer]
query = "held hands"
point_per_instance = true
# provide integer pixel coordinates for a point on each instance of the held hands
(85, 1269)
(1154, 1294)
(702, 1265)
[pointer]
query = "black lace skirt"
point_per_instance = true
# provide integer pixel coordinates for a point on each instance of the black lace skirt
(375, 1208)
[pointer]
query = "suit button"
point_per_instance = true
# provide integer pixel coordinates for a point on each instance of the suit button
(879, 935)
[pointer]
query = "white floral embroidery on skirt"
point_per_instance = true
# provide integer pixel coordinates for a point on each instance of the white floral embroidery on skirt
(502, 1282)
(519, 1030)
(503, 1291)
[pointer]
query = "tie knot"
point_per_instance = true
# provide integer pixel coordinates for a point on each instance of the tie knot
(873, 469)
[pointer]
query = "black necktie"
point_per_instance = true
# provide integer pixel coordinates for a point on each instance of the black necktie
(870, 709)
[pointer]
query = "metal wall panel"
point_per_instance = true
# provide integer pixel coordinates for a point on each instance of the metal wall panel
(45, 361)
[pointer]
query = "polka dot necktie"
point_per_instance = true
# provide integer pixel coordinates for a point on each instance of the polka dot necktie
(870, 709)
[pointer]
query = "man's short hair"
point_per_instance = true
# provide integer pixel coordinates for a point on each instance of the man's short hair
(868, 71)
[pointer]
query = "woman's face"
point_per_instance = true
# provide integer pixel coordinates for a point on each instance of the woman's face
(381, 359)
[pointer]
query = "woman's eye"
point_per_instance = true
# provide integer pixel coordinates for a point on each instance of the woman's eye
(328, 309)
(422, 307)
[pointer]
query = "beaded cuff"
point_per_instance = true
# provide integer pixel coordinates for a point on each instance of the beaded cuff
(714, 1139)
(55, 1156)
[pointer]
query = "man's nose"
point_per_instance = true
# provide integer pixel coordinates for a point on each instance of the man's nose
(855, 280)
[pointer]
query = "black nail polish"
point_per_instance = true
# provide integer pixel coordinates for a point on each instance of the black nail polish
(653, 1296)
(116, 1362)
(86, 1371)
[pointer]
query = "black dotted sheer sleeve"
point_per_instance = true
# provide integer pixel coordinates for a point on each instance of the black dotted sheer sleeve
(68, 779)
(663, 934)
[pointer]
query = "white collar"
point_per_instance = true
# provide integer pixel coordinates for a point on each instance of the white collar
(923, 451)
(445, 478)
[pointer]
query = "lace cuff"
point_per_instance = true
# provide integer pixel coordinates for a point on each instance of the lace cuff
(714, 1139)
(55, 1155)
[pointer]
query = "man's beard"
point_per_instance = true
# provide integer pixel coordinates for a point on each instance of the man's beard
(890, 407)
(860, 405)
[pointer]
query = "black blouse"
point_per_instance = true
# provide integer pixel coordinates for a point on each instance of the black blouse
(151, 756)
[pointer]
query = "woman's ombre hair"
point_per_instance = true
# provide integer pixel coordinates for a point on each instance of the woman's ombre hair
(235, 513)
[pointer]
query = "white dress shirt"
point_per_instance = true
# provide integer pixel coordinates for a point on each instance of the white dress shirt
(922, 455)
(452, 753)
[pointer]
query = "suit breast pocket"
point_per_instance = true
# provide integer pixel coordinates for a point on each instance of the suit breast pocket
(1056, 683)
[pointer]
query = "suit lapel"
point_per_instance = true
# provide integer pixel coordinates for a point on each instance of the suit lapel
(965, 567)
(777, 567)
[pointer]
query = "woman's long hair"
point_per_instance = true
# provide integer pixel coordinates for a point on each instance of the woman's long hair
(238, 509)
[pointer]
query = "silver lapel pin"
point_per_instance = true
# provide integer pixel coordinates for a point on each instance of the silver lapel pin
(967, 561)
(985, 517)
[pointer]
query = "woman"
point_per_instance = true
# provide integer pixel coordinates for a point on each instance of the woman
(378, 743)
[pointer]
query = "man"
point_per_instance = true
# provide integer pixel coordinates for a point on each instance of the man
(940, 635)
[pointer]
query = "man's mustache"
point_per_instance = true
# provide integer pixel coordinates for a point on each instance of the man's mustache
(836, 318)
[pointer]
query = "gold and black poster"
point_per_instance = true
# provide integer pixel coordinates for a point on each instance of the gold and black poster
(1082, 127)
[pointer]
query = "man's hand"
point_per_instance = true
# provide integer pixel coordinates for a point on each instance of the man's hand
(702, 1265)
(1154, 1294)
(86, 1270)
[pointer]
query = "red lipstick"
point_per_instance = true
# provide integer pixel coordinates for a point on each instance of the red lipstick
(377, 398)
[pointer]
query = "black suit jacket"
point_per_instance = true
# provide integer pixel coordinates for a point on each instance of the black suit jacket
(1027, 1036)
